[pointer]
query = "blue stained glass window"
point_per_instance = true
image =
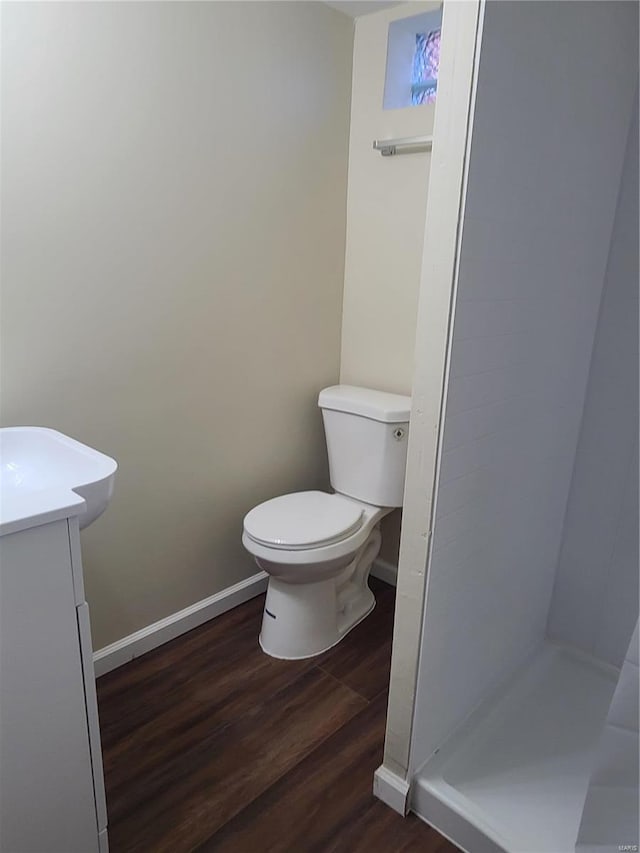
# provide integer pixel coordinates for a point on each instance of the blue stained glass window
(426, 65)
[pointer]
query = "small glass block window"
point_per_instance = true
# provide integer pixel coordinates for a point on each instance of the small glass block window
(426, 65)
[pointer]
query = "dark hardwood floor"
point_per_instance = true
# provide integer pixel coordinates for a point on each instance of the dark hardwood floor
(211, 745)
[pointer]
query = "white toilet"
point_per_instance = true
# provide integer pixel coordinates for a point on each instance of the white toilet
(317, 547)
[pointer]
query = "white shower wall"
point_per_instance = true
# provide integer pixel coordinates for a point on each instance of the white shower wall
(611, 805)
(595, 600)
(540, 206)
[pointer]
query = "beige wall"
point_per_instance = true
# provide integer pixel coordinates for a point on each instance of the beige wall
(174, 183)
(386, 208)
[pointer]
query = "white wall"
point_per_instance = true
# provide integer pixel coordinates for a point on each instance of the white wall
(611, 805)
(173, 213)
(595, 600)
(546, 157)
(452, 125)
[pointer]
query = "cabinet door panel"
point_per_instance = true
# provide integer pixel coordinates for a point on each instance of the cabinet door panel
(46, 788)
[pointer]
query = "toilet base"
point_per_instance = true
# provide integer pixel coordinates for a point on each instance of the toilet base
(302, 620)
(307, 623)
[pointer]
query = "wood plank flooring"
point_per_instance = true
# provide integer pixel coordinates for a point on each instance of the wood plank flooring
(211, 745)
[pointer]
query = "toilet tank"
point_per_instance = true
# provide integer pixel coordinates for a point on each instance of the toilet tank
(367, 433)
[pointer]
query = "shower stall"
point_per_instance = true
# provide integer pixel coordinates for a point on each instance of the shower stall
(513, 710)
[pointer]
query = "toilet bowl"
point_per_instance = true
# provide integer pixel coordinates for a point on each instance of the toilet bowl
(318, 547)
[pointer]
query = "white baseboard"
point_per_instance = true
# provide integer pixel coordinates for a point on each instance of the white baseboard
(392, 789)
(146, 639)
(384, 571)
(142, 641)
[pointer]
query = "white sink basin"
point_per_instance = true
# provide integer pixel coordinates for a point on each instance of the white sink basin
(46, 475)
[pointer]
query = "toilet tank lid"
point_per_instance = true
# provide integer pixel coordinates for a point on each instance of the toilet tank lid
(376, 405)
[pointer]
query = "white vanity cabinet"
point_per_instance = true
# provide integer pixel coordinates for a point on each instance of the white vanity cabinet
(51, 781)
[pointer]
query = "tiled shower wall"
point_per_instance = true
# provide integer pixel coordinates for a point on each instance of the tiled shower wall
(595, 601)
(611, 806)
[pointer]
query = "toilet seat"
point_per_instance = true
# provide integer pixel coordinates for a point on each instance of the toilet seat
(303, 521)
